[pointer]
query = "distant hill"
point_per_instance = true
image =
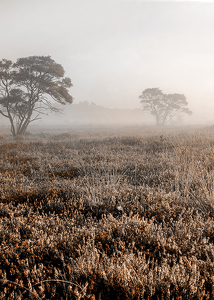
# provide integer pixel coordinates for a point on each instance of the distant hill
(85, 112)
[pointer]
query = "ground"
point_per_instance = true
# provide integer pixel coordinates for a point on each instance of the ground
(107, 213)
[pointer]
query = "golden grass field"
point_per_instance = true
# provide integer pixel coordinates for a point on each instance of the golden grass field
(104, 213)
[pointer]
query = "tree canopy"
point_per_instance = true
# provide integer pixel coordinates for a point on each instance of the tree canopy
(27, 88)
(164, 107)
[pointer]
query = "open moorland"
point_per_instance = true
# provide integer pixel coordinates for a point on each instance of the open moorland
(107, 214)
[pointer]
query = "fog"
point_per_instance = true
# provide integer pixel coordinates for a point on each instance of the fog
(113, 50)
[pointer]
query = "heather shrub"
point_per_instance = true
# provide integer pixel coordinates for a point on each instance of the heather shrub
(107, 216)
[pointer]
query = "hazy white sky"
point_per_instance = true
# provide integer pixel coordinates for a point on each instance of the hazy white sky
(113, 50)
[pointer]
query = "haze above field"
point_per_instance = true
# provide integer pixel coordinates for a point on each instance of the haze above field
(113, 50)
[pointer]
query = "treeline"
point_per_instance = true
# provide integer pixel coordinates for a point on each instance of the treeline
(86, 112)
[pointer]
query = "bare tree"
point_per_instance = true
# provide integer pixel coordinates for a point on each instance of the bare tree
(27, 88)
(163, 107)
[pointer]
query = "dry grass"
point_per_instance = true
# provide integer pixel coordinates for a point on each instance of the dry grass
(107, 216)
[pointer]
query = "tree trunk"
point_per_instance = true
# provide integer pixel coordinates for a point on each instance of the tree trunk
(157, 121)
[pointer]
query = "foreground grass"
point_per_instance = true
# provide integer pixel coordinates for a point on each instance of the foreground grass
(107, 217)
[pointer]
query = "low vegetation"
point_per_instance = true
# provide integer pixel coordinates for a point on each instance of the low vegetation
(124, 215)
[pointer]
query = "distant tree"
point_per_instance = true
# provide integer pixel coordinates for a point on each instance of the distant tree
(164, 107)
(27, 88)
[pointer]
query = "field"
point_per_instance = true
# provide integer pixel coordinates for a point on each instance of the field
(107, 213)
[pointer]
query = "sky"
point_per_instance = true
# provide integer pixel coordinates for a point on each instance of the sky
(113, 50)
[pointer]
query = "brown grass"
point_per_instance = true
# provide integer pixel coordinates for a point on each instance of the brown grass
(108, 216)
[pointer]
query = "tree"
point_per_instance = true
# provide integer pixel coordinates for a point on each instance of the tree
(27, 88)
(163, 107)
